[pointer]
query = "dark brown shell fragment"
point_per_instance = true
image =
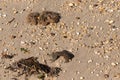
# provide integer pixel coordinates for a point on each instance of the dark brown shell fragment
(32, 18)
(47, 17)
(66, 54)
(44, 18)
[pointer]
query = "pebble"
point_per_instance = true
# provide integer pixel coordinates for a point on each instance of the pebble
(15, 12)
(81, 78)
(5, 50)
(15, 25)
(40, 48)
(89, 61)
(92, 72)
(106, 57)
(79, 61)
(5, 67)
(106, 75)
(4, 15)
(109, 21)
(97, 75)
(78, 33)
(64, 71)
(90, 7)
(71, 4)
(114, 64)
(1, 29)
(110, 10)
(77, 72)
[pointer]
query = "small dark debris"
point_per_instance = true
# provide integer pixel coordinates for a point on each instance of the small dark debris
(95, 5)
(7, 56)
(77, 18)
(106, 75)
(65, 36)
(11, 21)
(113, 27)
(52, 34)
(0, 8)
(32, 18)
(21, 36)
(66, 54)
(111, 40)
(32, 42)
(13, 36)
(25, 50)
(31, 66)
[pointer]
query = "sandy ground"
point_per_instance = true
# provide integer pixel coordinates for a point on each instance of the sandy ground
(90, 29)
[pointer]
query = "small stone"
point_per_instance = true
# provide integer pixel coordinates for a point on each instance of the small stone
(78, 23)
(71, 4)
(97, 64)
(13, 36)
(81, 78)
(89, 61)
(106, 57)
(4, 15)
(97, 74)
(95, 5)
(5, 67)
(64, 71)
(1, 29)
(15, 12)
(52, 34)
(106, 75)
(23, 43)
(15, 25)
(110, 10)
(65, 36)
(91, 72)
(79, 61)
(113, 64)
(78, 33)
(40, 48)
(90, 7)
(5, 50)
(77, 72)
(111, 21)
(22, 11)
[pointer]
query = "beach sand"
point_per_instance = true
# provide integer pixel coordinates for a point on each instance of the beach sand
(90, 29)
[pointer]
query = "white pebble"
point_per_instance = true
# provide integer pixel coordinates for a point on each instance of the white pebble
(71, 4)
(113, 64)
(40, 48)
(97, 74)
(81, 78)
(4, 15)
(22, 42)
(1, 29)
(89, 61)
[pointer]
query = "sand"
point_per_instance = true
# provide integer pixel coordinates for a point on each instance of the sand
(90, 29)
